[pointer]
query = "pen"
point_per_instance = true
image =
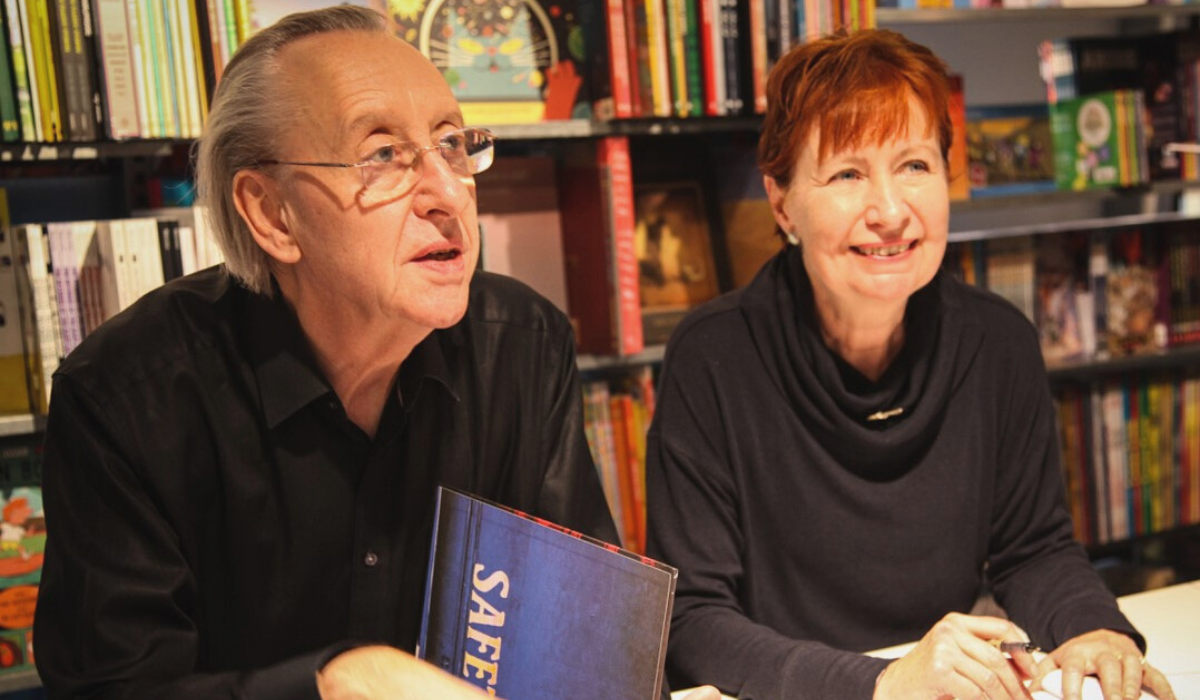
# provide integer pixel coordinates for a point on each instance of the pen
(1010, 647)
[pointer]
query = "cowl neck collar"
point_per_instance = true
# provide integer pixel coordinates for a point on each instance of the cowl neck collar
(880, 429)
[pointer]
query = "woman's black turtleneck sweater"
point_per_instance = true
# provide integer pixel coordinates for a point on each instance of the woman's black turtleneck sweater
(805, 532)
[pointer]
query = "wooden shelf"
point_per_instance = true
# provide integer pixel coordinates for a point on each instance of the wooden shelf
(1102, 222)
(1084, 370)
(19, 680)
(891, 16)
(45, 152)
(20, 424)
(599, 363)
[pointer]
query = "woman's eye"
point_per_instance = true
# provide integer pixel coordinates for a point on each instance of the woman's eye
(917, 166)
(845, 175)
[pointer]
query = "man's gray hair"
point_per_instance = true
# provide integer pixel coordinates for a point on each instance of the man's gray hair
(247, 112)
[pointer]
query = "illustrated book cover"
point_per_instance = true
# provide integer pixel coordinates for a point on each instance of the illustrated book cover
(1099, 141)
(22, 542)
(1009, 150)
(507, 61)
(526, 609)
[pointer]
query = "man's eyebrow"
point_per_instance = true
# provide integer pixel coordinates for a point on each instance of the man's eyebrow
(370, 120)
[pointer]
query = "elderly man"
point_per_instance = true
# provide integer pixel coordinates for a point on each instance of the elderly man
(240, 469)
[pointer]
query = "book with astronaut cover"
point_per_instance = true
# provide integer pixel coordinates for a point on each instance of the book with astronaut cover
(524, 608)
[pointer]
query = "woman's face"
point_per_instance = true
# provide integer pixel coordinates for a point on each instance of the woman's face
(872, 219)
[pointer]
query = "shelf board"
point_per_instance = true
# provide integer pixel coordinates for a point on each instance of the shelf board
(594, 363)
(1103, 222)
(893, 17)
(583, 128)
(1083, 370)
(19, 680)
(20, 424)
(44, 152)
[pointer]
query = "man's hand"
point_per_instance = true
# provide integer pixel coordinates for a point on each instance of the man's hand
(704, 692)
(1110, 655)
(385, 673)
(955, 660)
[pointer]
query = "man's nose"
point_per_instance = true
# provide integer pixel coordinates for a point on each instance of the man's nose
(440, 188)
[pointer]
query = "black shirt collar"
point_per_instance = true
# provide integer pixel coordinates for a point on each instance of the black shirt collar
(289, 377)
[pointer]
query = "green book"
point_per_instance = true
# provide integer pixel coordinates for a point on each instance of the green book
(10, 123)
(1099, 141)
(16, 53)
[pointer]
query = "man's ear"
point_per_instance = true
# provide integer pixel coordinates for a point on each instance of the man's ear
(258, 200)
(776, 195)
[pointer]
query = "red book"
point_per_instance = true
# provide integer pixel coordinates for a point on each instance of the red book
(620, 75)
(598, 246)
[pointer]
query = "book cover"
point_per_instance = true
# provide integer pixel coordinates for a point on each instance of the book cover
(1133, 323)
(22, 543)
(526, 609)
(507, 61)
(1009, 150)
(1061, 273)
(1097, 141)
(676, 267)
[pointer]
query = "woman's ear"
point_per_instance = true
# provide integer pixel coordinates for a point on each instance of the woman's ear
(258, 200)
(777, 196)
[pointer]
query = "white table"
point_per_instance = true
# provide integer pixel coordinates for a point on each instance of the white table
(1168, 617)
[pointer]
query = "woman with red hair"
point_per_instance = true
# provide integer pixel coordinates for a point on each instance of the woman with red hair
(848, 451)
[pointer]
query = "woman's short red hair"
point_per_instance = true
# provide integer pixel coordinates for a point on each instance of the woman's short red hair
(854, 88)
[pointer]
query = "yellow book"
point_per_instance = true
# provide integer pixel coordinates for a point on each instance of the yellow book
(14, 392)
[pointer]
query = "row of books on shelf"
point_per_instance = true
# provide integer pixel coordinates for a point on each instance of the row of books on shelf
(686, 58)
(1018, 4)
(89, 70)
(61, 280)
(1131, 455)
(1088, 82)
(616, 417)
(1096, 294)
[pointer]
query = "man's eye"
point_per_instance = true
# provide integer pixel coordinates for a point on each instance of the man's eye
(386, 154)
(452, 142)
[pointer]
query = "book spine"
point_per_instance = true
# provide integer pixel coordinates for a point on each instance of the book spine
(710, 48)
(48, 78)
(20, 70)
(693, 63)
(115, 69)
(619, 173)
(32, 69)
(10, 122)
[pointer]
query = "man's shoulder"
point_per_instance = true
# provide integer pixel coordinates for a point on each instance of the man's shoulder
(167, 325)
(504, 301)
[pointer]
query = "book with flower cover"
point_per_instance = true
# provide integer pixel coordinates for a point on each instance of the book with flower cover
(524, 608)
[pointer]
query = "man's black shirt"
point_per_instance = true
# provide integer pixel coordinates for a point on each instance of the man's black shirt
(218, 525)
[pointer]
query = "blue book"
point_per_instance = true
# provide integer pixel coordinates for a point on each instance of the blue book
(526, 609)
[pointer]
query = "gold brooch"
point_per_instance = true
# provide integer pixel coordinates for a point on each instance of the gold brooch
(884, 415)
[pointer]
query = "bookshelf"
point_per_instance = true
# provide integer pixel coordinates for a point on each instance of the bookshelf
(979, 43)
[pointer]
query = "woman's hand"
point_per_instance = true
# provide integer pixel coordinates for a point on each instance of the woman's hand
(1112, 656)
(955, 660)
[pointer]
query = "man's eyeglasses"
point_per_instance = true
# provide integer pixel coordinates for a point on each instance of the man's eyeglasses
(392, 169)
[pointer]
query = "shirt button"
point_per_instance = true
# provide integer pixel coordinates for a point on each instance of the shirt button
(371, 559)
